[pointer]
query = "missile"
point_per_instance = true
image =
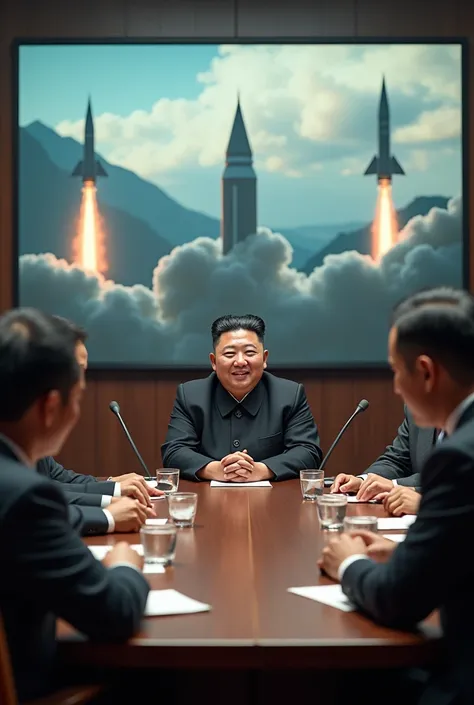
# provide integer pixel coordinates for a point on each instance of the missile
(384, 165)
(89, 168)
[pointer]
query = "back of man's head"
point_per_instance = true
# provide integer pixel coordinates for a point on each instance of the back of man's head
(438, 323)
(229, 323)
(37, 356)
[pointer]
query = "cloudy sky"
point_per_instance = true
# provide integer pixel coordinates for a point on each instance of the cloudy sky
(316, 319)
(165, 112)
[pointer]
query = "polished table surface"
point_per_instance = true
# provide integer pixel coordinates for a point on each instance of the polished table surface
(247, 548)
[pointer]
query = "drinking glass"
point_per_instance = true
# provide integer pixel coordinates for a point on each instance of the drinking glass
(358, 523)
(332, 510)
(182, 508)
(159, 543)
(312, 484)
(168, 480)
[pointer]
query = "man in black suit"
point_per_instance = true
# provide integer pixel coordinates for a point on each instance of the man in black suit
(241, 424)
(399, 465)
(99, 507)
(47, 571)
(431, 351)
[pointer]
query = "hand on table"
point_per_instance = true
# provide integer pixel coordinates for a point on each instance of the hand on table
(378, 548)
(345, 483)
(123, 553)
(129, 514)
(337, 550)
(402, 500)
(373, 486)
(134, 485)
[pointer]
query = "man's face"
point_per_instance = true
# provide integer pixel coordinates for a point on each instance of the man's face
(59, 418)
(415, 386)
(239, 361)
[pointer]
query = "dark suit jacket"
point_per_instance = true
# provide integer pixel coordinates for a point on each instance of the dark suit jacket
(48, 572)
(74, 481)
(402, 461)
(433, 567)
(274, 423)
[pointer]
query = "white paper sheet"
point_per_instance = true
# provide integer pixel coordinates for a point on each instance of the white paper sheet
(162, 602)
(398, 538)
(353, 500)
(99, 552)
(156, 522)
(392, 523)
(261, 483)
(152, 483)
(331, 595)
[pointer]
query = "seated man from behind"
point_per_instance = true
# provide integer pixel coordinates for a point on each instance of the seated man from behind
(241, 424)
(121, 504)
(431, 351)
(47, 571)
(400, 464)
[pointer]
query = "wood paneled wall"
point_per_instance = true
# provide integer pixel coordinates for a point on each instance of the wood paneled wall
(97, 444)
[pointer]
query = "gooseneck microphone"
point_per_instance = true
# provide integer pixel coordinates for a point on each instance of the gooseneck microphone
(115, 409)
(361, 406)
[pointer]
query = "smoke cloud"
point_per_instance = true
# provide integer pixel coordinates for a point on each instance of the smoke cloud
(337, 315)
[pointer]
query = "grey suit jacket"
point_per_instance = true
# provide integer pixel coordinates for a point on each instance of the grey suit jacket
(433, 567)
(48, 572)
(274, 423)
(403, 459)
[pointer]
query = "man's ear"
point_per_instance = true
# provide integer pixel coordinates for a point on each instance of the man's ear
(212, 359)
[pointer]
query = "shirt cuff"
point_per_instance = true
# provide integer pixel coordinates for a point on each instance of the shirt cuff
(105, 500)
(117, 490)
(126, 565)
(395, 482)
(364, 476)
(349, 561)
(110, 520)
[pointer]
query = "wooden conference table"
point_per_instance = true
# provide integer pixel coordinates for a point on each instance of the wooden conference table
(247, 547)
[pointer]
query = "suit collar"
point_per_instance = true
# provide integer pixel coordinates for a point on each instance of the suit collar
(13, 451)
(464, 412)
(251, 403)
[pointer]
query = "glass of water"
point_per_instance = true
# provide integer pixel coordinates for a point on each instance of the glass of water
(332, 510)
(312, 484)
(360, 523)
(159, 543)
(182, 508)
(168, 479)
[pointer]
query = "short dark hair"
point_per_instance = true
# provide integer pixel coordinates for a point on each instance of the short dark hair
(227, 323)
(80, 334)
(438, 323)
(37, 355)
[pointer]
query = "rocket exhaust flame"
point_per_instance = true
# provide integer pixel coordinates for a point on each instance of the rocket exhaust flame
(89, 249)
(385, 227)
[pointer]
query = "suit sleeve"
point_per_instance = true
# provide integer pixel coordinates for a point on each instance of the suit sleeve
(87, 521)
(81, 483)
(395, 463)
(301, 440)
(82, 499)
(426, 566)
(412, 481)
(60, 572)
(181, 447)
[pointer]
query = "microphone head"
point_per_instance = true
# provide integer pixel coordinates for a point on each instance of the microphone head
(114, 407)
(363, 404)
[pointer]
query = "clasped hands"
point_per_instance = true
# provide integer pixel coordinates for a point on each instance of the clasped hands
(237, 467)
(361, 542)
